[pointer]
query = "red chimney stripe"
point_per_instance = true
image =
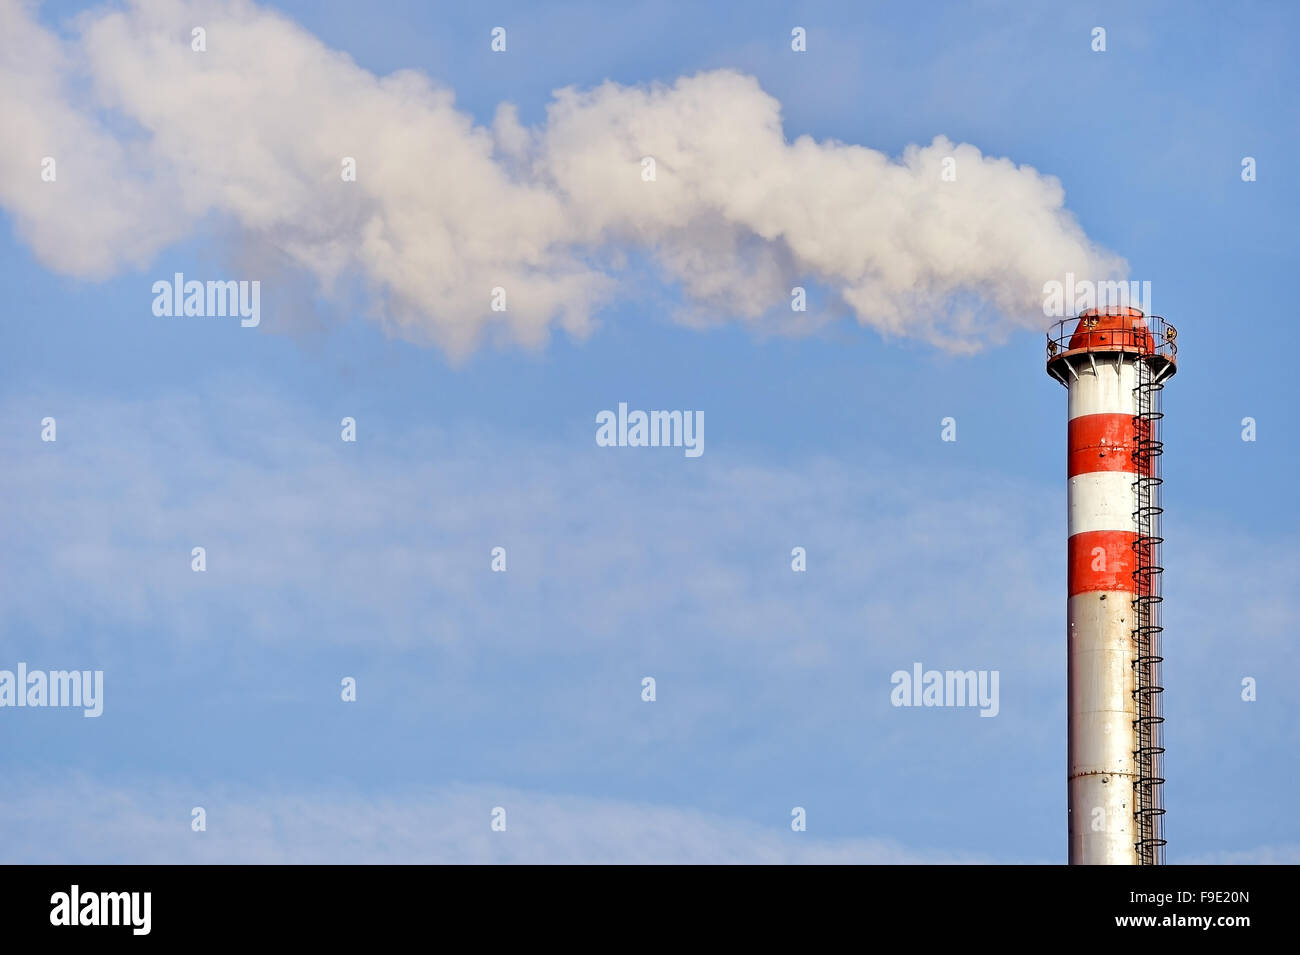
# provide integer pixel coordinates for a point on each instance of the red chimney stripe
(1105, 442)
(1101, 560)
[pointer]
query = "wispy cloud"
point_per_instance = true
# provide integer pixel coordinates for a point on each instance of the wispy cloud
(600, 541)
(77, 820)
(374, 556)
(1286, 854)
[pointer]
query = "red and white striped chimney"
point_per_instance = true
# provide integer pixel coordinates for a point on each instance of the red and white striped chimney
(1113, 362)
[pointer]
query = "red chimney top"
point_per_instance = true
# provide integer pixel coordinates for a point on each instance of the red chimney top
(1116, 328)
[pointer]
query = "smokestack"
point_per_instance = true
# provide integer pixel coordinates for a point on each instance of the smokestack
(1113, 363)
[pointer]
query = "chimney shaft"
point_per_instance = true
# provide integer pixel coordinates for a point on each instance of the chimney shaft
(1113, 362)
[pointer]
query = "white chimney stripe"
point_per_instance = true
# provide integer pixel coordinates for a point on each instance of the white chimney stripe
(1109, 391)
(1101, 501)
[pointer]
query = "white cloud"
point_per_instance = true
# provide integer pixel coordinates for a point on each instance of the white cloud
(1287, 854)
(80, 820)
(620, 564)
(304, 532)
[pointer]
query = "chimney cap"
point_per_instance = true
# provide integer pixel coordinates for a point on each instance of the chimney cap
(1111, 330)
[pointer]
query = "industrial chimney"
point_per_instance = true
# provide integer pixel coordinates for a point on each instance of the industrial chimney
(1114, 362)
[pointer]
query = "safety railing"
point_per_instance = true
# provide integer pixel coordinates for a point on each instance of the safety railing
(1149, 335)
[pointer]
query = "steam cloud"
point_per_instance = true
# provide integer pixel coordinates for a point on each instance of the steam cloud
(153, 139)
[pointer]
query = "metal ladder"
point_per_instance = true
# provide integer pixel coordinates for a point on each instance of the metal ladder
(1148, 794)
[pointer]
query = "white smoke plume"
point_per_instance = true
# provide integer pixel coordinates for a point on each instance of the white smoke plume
(153, 139)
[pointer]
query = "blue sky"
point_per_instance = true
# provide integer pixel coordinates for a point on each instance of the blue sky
(522, 689)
